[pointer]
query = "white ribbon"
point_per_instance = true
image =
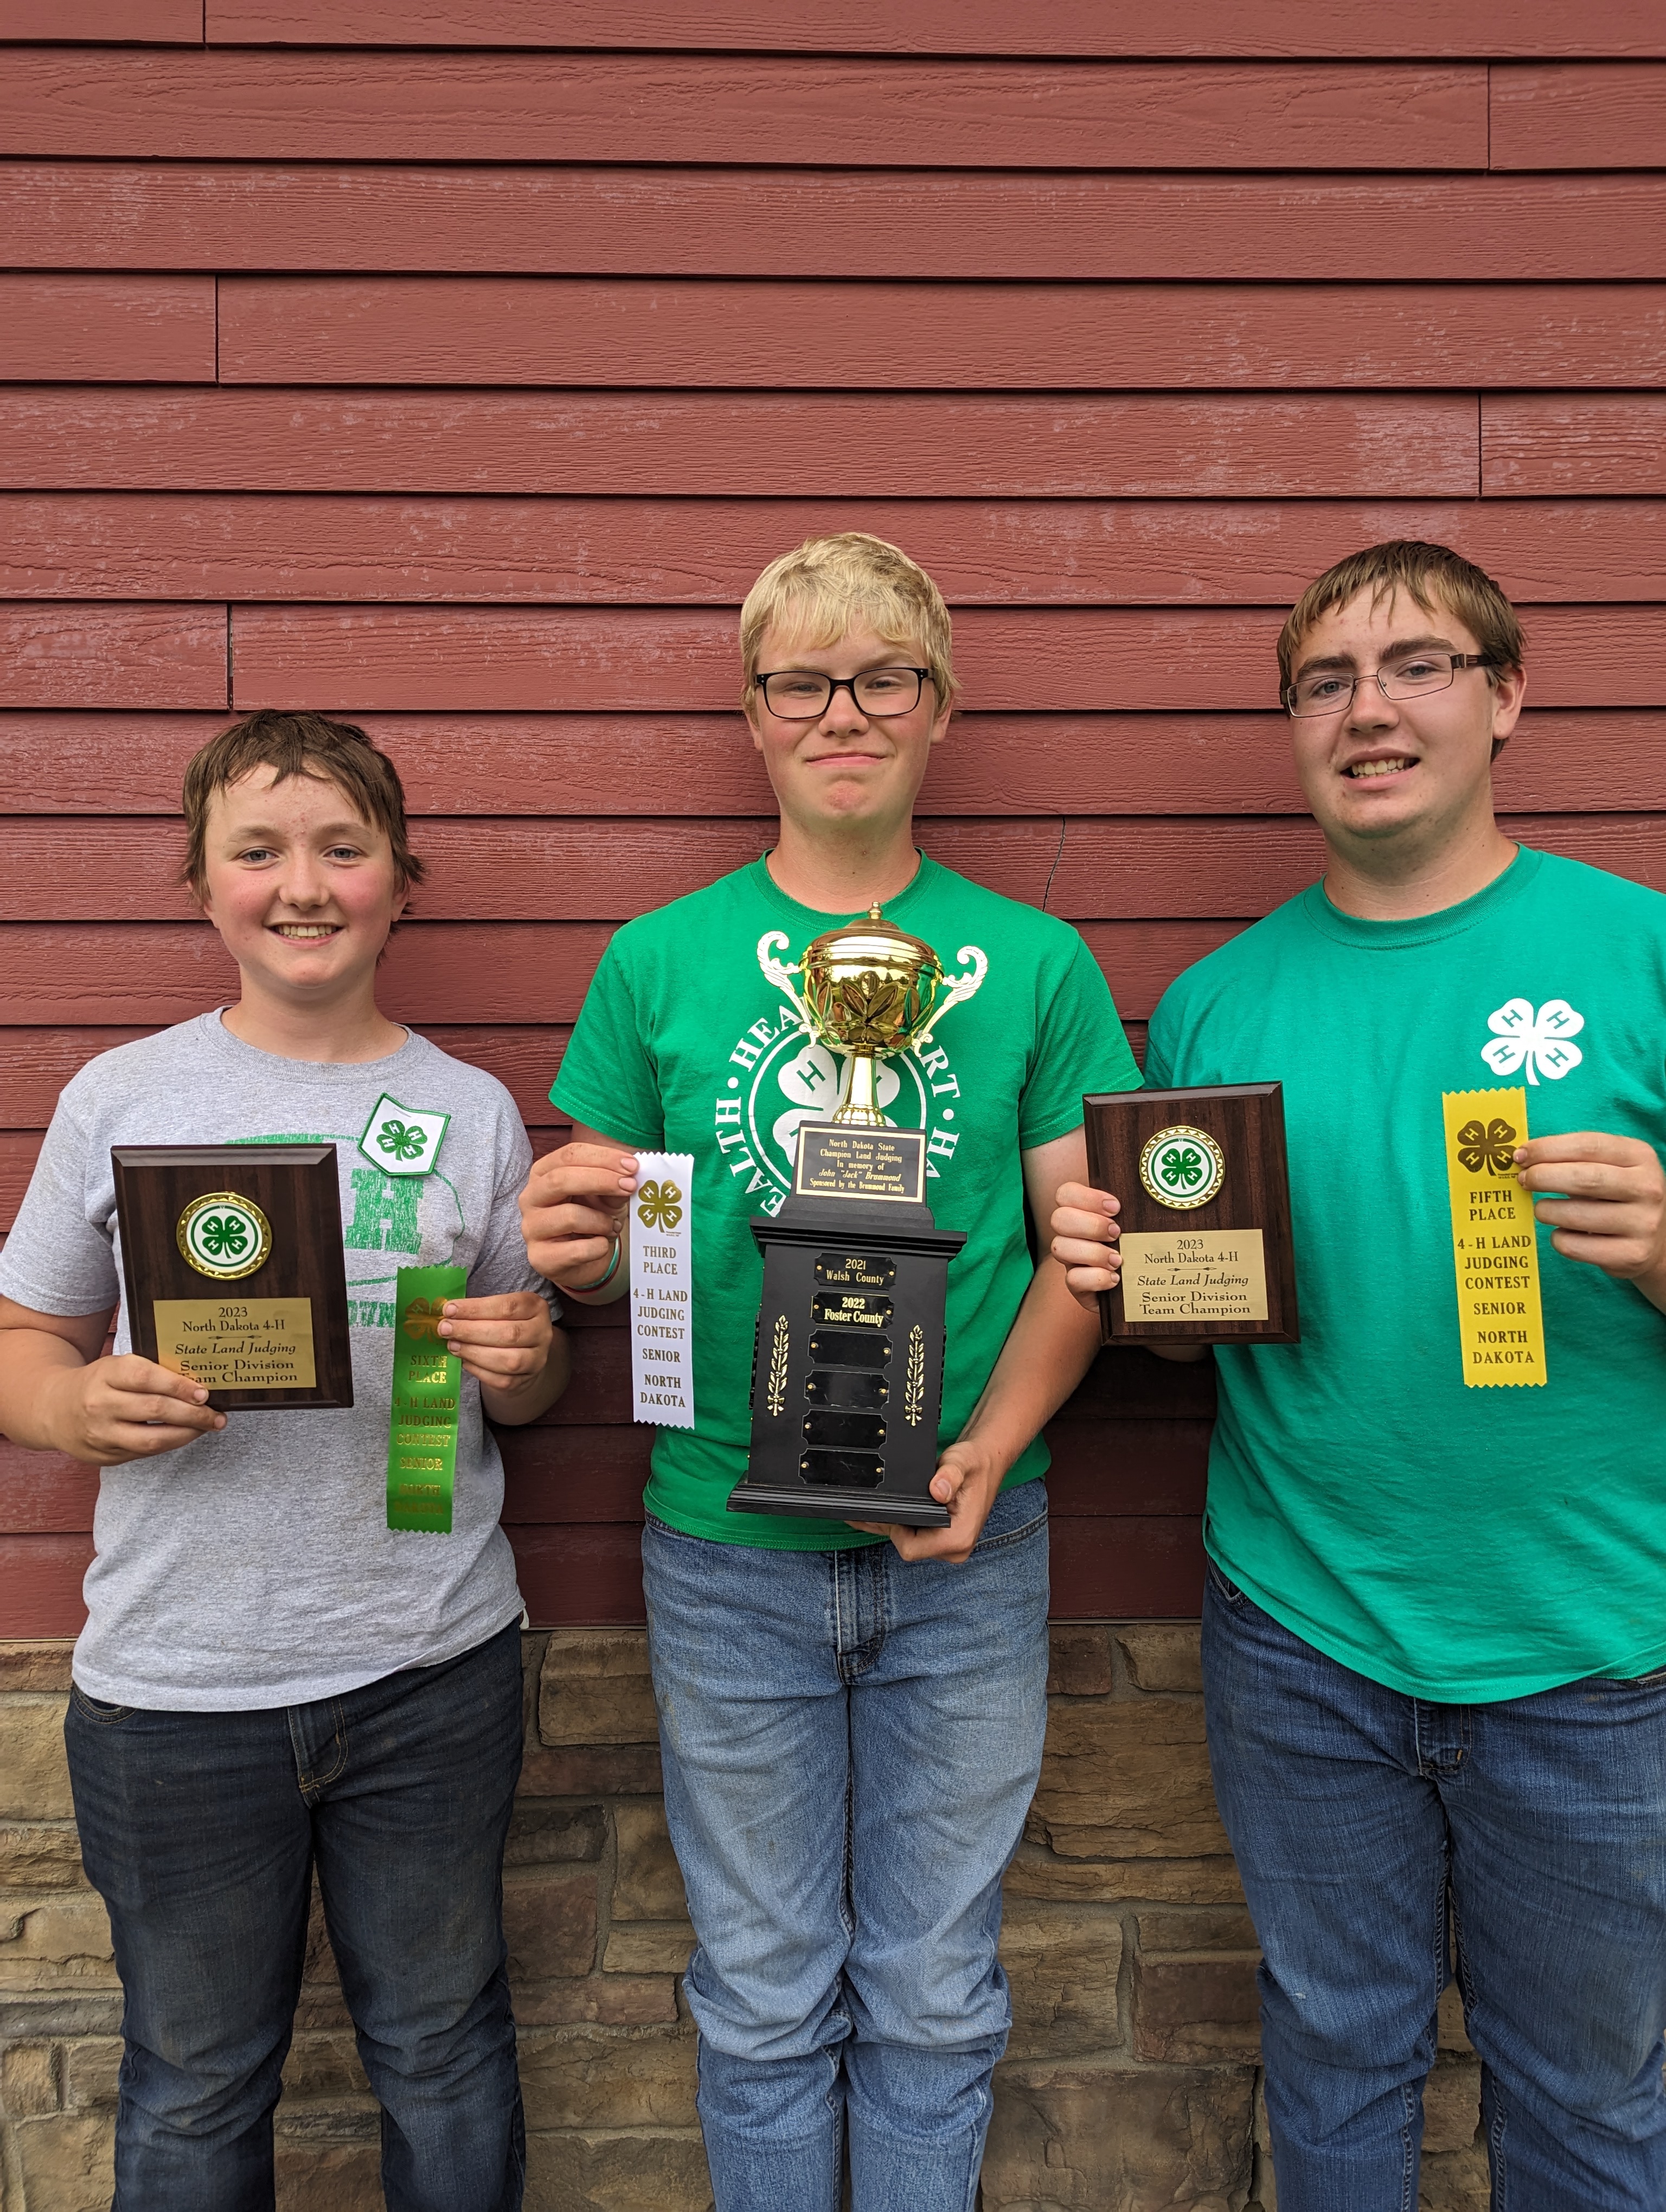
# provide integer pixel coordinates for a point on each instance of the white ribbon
(662, 1290)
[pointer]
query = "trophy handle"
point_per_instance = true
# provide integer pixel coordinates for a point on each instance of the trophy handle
(782, 977)
(963, 986)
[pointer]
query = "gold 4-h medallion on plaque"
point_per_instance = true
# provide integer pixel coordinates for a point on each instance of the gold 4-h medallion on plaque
(233, 1269)
(1206, 1241)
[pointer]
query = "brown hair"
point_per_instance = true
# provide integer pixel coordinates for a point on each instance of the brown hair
(298, 745)
(821, 586)
(1407, 564)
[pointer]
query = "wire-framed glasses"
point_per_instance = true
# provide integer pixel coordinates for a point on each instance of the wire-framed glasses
(1329, 690)
(800, 695)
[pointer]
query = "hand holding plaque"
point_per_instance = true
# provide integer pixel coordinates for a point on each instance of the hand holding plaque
(1207, 1255)
(848, 1376)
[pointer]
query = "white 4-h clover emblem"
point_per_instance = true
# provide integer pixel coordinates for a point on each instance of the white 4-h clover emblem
(1542, 1042)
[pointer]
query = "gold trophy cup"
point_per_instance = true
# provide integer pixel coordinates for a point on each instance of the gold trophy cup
(870, 990)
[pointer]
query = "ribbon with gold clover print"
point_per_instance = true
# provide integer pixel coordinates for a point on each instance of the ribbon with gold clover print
(428, 1385)
(662, 1291)
(1495, 1241)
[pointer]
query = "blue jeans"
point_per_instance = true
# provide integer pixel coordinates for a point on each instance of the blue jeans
(1356, 1813)
(851, 1743)
(200, 1830)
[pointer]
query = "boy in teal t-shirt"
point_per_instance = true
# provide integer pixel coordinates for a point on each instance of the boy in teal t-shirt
(852, 1726)
(1435, 1630)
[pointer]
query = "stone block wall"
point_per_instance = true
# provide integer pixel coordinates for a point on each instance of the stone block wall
(1131, 2082)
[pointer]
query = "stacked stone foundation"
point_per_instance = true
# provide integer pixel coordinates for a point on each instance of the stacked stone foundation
(1131, 2082)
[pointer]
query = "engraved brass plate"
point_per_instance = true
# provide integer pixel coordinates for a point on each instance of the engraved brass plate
(1193, 1275)
(238, 1343)
(886, 1164)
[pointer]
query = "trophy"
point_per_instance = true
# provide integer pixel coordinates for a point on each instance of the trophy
(1206, 1243)
(232, 1263)
(847, 1372)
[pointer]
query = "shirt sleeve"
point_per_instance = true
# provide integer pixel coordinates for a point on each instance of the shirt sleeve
(1080, 1047)
(502, 1264)
(1163, 1040)
(57, 1259)
(608, 1079)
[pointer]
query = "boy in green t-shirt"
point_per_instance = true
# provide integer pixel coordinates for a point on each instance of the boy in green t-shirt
(852, 1726)
(1435, 1624)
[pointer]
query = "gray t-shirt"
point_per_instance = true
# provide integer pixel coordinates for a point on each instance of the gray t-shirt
(255, 1567)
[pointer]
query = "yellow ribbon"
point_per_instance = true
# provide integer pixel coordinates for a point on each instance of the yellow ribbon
(1495, 1249)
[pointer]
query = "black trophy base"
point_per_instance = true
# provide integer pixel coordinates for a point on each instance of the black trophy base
(848, 1378)
(826, 1503)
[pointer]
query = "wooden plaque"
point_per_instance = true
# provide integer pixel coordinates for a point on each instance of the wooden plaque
(1207, 1251)
(232, 1266)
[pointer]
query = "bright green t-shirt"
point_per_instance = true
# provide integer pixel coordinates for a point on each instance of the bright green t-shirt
(1457, 1543)
(685, 1045)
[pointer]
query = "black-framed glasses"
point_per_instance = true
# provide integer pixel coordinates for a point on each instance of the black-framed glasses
(800, 695)
(1414, 675)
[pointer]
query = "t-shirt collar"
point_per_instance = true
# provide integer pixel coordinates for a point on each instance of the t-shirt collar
(1423, 928)
(219, 1039)
(812, 921)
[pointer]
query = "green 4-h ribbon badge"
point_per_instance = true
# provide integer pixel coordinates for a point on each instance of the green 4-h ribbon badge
(428, 1380)
(402, 1140)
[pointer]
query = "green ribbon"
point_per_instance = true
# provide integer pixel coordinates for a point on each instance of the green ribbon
(427, 1386)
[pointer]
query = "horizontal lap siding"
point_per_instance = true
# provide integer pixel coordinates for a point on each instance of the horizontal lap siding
(457, 365)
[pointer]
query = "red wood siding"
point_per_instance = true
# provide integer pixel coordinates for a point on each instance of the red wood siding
(457, 365)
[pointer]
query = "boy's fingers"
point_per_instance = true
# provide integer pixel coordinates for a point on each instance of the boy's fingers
(1085, 1197)
(581, 1168)
(166, 1413)
(1078, 1252)
(1585, 1144)
(542, 1223)
(144, 1442)
(130, 1373)
(1090, 1228)
(460, 1332)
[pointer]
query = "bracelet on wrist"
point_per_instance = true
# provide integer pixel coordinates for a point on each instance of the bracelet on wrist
(601, 1281)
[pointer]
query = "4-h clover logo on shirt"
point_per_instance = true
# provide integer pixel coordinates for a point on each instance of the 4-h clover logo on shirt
(1542, 1042)
(402, 1140)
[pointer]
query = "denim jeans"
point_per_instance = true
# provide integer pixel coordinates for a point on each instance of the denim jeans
(1356, 1814)
(851, 1743)
(201, 1833)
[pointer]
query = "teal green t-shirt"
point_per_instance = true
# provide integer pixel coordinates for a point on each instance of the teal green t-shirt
(685, 1045)
(1457, 1543)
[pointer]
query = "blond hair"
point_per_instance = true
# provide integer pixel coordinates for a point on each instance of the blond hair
(1407, 564)
(818, 590)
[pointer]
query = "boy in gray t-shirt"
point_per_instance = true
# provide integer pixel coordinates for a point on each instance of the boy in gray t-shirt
(271, 1678)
